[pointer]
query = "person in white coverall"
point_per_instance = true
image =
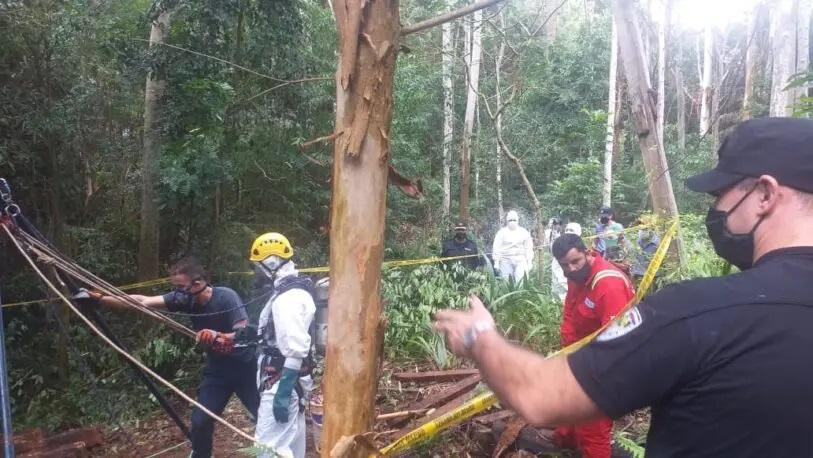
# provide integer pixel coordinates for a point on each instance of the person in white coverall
(513, 248)
(284, 363)
(558, 281)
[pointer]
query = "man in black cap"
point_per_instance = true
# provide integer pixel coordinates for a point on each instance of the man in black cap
(461, 245)
(724, 362)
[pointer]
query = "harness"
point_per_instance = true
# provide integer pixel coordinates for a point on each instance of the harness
(273, 361)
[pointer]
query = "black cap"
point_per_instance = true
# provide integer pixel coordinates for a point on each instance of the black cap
(606, 211)
(780, 147)
(460, 226)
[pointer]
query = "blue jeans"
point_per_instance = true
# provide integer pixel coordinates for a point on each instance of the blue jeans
(219, 382)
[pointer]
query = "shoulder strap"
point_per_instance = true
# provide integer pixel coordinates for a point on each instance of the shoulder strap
(607, 273)
(292, 282)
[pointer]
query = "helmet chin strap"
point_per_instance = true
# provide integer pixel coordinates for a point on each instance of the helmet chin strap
(272, 273)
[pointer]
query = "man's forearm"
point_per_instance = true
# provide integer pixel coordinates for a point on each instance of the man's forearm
(541, 390)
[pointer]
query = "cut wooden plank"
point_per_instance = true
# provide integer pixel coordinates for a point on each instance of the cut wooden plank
(442, 410)
(91, 437)
(494, 416)
(508, 436)
(435, 376)
(441, 397)
(528, 439)
(31, 439)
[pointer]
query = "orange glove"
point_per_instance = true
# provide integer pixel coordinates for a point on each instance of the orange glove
(206, 337)
(223, 343)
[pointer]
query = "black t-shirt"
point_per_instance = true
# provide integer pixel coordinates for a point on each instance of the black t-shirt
(452, 247)
(724, 362)
(222, 311)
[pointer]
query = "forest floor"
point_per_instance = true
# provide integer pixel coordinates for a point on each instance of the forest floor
(157, 436)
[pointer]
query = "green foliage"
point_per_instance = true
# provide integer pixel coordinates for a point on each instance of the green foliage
(629, 445)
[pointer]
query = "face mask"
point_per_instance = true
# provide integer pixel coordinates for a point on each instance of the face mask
(513, 225)
(185, 298)
(271, 265)
(604, 219)
(738, 249)
(580, 276)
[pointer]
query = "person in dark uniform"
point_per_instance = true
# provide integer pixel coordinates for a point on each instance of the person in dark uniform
(461, 245)
(723, 362)
(216, 313)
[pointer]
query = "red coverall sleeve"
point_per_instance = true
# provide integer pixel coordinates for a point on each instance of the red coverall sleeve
(613, 297)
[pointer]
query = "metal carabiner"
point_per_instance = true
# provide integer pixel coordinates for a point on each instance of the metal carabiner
(12, 210)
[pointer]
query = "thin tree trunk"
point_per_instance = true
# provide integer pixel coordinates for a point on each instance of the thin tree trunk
(751, 65)
(153, 100)
(448, 114)
(680, 101)
(369, 35)
(706, 83)
(802, 44)
(639, 89)
(663, 30)
(498, 119)
(783, 42)
(468, 121)
(612, 121)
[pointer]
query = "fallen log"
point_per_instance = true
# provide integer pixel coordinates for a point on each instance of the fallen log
(435, 376)
(441, 397)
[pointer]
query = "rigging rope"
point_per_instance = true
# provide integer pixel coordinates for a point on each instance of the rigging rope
(134, 360)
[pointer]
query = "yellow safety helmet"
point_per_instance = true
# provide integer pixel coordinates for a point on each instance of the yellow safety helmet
(271, 244)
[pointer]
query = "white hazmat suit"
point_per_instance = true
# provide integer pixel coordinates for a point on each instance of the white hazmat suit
(292, 313)
(513, 248)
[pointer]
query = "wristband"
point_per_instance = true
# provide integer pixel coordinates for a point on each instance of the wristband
(471, 334)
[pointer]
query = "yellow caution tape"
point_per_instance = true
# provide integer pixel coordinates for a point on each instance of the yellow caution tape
(323, 269)
(471, 408)
(485, 401)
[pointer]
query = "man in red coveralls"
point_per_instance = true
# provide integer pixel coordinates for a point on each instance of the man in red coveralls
(596, 292)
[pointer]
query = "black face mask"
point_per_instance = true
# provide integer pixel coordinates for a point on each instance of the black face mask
(604, 219)
(738, 249)
(185, 298)
(580, 276)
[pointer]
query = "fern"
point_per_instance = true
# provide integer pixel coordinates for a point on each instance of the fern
(636, 450)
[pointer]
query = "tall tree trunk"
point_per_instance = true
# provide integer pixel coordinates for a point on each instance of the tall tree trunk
(802, 44)
(448, 114)
(783, 42)
(639, 91)
(663, 30)
(369, 35)
(155, 87)
(468, 121)
(680, 101)
(498, 118)
(706, 82)
(751, 64)
(612, 121)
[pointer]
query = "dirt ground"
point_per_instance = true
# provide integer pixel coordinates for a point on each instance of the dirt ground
(158, 436)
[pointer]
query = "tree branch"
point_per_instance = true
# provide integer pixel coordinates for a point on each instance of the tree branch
(450, 16)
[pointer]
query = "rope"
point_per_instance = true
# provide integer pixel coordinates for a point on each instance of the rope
(324, 269)
(166, 450)
(134, 360)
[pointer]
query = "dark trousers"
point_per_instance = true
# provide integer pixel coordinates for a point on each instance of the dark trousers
(218, 384)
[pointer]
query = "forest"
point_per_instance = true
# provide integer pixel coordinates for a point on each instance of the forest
(134, 133)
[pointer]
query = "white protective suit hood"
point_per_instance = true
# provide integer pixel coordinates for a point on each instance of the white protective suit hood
(512, 219)
(573, 228)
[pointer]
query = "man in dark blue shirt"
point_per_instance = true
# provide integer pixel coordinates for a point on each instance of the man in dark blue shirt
(216, 313)
(461, 245)
(724, 362)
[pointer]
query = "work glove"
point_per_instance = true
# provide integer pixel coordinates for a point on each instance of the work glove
(283, 397)
(223, 344)
(206, 338)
